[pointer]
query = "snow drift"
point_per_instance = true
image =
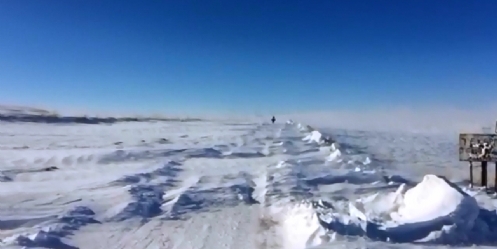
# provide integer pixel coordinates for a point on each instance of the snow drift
(434, 211)
(217, 185)
(297, 226)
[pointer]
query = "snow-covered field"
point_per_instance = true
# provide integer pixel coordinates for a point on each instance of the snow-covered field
(250, 185)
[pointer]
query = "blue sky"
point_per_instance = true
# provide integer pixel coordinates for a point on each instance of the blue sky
(247, 56)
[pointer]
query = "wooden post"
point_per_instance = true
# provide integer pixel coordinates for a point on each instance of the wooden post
(495, 176)
(484, 174)
(471, 174)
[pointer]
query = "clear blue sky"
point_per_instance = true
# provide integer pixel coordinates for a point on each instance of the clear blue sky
(247, 56)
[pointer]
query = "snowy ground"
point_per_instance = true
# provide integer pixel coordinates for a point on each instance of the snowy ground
(234, 185)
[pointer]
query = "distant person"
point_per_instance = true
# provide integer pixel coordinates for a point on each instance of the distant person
(273, 119)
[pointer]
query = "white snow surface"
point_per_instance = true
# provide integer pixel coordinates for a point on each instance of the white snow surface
(234, 185)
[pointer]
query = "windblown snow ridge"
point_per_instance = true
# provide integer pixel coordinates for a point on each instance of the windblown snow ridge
(291, 182)
(433, 211)
(49, 234)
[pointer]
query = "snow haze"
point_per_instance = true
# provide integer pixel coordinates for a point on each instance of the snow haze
(432, 119)
(221, 183)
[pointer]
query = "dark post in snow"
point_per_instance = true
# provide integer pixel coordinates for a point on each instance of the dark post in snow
(479, 147)
(484, 172)
(470, 174)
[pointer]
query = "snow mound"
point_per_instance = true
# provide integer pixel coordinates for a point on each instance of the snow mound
(335, 154)
(298, 225)
(434, 211)
(435, 197)
(304, 128)
(314, 136)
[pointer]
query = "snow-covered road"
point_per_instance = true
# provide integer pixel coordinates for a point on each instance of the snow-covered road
(224, 185)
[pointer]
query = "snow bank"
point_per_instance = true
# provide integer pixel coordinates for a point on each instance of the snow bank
(434, 211)
(298, 226)
(435, 197)
(314, 136)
